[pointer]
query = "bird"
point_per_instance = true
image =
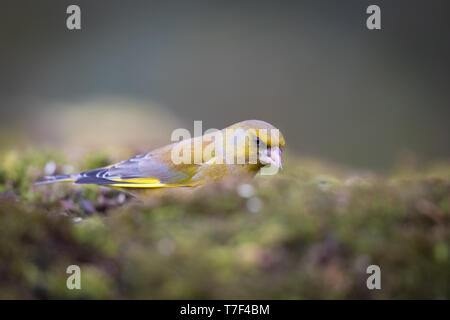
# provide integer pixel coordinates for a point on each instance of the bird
(242, 149)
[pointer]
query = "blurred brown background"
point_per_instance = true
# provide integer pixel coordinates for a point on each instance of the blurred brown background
(336, 89)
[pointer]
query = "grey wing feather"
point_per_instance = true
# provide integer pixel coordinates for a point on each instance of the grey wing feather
(141, 166)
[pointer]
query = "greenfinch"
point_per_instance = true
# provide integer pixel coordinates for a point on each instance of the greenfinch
(242, 149)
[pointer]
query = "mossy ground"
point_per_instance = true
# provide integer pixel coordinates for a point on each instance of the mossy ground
(309, 232)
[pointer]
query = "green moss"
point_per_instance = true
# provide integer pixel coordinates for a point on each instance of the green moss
(316, 229)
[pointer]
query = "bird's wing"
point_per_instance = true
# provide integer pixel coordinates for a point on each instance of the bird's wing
(142, 171)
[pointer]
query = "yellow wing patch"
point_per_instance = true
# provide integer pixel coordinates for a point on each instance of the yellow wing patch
(138, 180)
(144, 183)
(138, 183)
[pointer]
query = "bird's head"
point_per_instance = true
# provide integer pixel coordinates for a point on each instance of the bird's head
(262, 142)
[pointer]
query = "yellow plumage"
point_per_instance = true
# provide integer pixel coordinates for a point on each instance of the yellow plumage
(237, 150)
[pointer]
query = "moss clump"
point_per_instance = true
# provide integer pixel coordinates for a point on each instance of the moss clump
(309, 232)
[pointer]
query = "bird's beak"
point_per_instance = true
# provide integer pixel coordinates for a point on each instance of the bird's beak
(272, 157)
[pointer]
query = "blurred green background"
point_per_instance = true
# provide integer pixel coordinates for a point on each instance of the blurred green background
(337, 90)
(364, 113)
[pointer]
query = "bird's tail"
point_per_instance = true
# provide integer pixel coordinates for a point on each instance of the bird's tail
(60, 178)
